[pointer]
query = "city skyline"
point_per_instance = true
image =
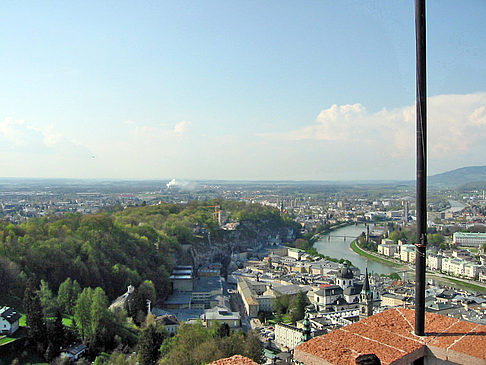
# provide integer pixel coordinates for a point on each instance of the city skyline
(237, 91)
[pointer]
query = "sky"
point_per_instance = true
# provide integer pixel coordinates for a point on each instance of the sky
(237, 90)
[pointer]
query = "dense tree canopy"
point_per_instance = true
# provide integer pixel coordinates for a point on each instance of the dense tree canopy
(113, 250)
(94, 250)
(74, 265)
(195, 344)
(67, 295)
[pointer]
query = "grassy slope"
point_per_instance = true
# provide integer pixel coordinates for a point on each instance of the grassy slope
(361, 252)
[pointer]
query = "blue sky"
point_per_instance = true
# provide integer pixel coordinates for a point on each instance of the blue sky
(236, 89)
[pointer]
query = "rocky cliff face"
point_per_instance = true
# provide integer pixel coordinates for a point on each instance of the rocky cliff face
(248, 234)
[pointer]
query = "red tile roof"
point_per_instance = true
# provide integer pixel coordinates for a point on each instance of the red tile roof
(390, 335)
(234, 360)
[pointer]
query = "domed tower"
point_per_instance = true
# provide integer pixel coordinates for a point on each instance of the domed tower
(345, 278)
(306, 333)
(366, 302)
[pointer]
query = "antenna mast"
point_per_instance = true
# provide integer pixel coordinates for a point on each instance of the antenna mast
(421, 203)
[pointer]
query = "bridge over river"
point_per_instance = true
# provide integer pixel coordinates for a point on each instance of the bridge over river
(336, 244)
(329, 236)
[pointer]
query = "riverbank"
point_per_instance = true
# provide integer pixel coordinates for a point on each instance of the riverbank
(319, 235)
(336, 244)
(354, 246)
(442, 278)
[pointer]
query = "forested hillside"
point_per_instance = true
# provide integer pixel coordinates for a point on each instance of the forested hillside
(95, 250)
(63, 271)
(113, 250)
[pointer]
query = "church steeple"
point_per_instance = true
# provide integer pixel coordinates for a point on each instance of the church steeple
(366, 296)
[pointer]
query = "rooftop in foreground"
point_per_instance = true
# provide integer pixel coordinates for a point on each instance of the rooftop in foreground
(390, 335)
(234, 360)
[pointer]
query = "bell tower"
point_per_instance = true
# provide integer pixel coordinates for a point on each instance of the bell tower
(366, 299)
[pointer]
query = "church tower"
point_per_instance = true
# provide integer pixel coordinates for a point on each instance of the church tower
(306, 333)
(366, 299)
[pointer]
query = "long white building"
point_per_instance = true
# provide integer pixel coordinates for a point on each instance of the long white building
(469, 239)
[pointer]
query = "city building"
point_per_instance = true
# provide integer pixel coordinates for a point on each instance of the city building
(287, 336)
(327, 296)
(221, 315)
(453, 266)
(407, 253)
(256, 296)
(434, 261)
(9, 320)
(469, 239)
(187, 315)
(295, 253)
(387, 241)
(387, 249)
(472, 270)
(182, 278)
(290, 290)
(207, 292)
(75, 352)
(170, 323)
(393, 300)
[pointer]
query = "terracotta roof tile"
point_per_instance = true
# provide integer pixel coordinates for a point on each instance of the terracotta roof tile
(363, 345)
(474, 343)
(452, 334)
(390, 335)
(436, 324)
(329, 351)
(386, 337)
(234, 360)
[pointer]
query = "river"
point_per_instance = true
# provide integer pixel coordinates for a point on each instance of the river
(455, 206)
(334, 245)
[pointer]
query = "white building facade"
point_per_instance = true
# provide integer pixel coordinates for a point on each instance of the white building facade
(469, 239)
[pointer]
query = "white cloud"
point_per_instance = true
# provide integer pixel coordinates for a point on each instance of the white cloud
(157, 132)
(343, 142)
(478, 116)
(456, 124)
(25, 137)
(13, 131)
(181, 128)
(51, 137)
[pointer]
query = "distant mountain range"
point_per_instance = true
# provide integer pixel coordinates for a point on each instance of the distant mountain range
(461, 176)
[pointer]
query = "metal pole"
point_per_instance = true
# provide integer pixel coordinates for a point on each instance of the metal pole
(421, 203)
